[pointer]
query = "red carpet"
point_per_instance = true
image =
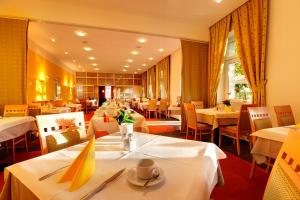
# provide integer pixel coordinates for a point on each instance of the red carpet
(237, 184)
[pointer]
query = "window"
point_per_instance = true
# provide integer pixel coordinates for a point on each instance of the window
(233, 83)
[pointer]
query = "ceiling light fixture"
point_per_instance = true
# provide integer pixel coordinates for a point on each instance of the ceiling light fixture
(151, 58)
(135, 72)
(74, 61)
(96, 69)
(126, 66)
(161, 50)
(52, 39)
(92, 58)
(66, 53)
(80, 33)
(124, 70)
(94, 64)
(87, 48)
(144, 65)
(139, 69)
(130, 60)
(134, 52)
(218, 1)
(142, 40)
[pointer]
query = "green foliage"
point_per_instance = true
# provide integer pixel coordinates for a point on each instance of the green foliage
(123, 117)
(238, 69)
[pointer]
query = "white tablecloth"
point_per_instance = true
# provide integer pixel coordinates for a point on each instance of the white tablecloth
(97, 124)
(55, 110)
(13, 127)
(75, 106)
(211, 116)
(190, 169)
(268, 142)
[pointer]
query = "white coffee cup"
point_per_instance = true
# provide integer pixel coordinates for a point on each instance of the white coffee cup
(145, 169)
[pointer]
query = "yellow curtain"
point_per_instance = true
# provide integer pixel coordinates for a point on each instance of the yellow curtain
(144, 84)
(194, 74)
(217, 44)
(13, 50)
(151, 82)
(250, 27)
(163, 68)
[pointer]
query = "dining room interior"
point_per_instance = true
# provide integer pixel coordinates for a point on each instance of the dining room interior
(149, 99)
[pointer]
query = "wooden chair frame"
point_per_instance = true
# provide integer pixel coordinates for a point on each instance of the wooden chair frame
(284, 111)
(258, 113)
(47, 125)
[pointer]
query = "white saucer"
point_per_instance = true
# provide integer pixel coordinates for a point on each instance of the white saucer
(133, 178)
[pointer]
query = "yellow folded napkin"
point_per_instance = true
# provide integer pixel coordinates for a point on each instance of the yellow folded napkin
(297, 125)
(82, 167)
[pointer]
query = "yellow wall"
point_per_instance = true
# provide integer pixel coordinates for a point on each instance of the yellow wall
(283, 63)
(41, 74)
(175, 76)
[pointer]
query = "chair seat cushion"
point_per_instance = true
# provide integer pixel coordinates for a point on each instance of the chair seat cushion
(203, 126)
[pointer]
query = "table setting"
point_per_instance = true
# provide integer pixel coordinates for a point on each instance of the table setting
(106, 169)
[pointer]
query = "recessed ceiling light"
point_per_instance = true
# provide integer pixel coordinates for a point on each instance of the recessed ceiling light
(74, 61)
(218, 1)
(87, 48)
(135, 72)
(139, 69)
(135, 52)
(79, 66)
(144, 65)
(126, 66)
(142, 40)
(66, 52)
(80, 33)
(92, 58)
(94, 64)
(161, 50)
(151, 58)
(124, 70)
(96, 69)
(130, 60)
(52, 39)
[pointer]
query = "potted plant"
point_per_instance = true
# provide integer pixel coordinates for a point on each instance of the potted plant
(227, 105)
(125, 121)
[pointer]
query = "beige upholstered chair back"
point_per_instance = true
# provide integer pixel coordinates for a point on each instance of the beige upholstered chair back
(198, 104)
(163, 105)
(152, 105)
(15, 110)
(284, 115)
(244, 125)
(259, 118)
(284, 180)
(59, 131)
(191, 117)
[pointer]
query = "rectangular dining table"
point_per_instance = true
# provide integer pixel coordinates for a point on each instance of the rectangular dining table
(14, 127)
(213, 117)
(268, 142)
(190, 168)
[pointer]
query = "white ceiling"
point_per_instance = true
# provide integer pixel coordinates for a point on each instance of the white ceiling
(111, 49)
(179, 18)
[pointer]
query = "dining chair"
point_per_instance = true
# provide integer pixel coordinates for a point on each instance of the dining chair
(284, 115)
(34, 109)
(198, 104)
(16, 111)
(238, 132)
(58, 131)
(152, 107)
(284, 180)
(259, 119)
(163, 107)
(191, 123)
